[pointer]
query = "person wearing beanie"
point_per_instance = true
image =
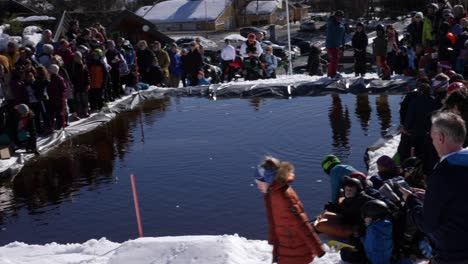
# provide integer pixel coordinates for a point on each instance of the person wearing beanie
(289, 231)
(57, 97)
(332, 166)
(115, 59)
(359, 43)
(377, 240)
(251, 50)
(98, 80)
(334, 41)
(387, 169)
(415, 29)
(25, 130)
(343, 220)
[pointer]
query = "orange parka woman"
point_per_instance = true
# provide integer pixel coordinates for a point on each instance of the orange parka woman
(290, 233)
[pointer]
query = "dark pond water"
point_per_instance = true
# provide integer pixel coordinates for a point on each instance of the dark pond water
(193, 159)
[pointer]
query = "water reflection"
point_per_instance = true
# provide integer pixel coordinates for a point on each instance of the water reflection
(87, 160)
(384, 114)
(255, 102)
(363, 111)
(340, 125)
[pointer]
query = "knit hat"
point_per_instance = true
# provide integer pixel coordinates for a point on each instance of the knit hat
(251, 36)
(54, 69)
(48, 48)
(419, 14)
(22, 109)
(78, 54)
(265, 175)
(386, 163)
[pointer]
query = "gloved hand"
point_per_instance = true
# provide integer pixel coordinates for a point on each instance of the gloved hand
(331, 207)
(425, 248)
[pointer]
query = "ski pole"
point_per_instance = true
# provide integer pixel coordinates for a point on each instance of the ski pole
(137, 208)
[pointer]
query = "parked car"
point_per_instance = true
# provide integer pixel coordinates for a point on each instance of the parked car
(247, 30)
(308, 26)
(207, 44)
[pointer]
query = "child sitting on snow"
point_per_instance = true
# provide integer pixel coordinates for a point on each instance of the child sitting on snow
(202, 80)
(377, 242)
(343, 220)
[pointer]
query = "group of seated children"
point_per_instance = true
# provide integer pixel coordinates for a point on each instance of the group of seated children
(370, 216)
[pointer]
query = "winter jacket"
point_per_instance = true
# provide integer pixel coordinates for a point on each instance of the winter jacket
(271, 64)
(97, 75)
(144, 60)
(66, 54)
(163, 60)
(380, 46)
(194, 62)
(129, 56)
(360, 41)
(335, 34)
(175, 68)
(247, 49)
(416, 32)
(19, 91)
(79, 77)
(444, 212)
(378, 242)
(114, 58)
(156, 75)
(290, 232)
(40, 89)
(56, 91)
(350, 209)
(337, 174)
(203, 81)
(428, 28)
(418, 116)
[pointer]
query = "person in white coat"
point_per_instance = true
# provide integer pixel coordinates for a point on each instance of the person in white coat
(228, 55)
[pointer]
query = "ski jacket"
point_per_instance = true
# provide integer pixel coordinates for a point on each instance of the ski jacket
(247, 49)
(380, 46)
(335, 34)
(378, 242)
(56, 90)
(163, 60)
(337, 174)
(444, 212)
(290, 232)
(360, 41)
(175, 68)
(428, 28)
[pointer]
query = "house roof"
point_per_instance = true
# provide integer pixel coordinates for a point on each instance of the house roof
(173, 11)
(261, 7)
(143, 10)
(125, 14)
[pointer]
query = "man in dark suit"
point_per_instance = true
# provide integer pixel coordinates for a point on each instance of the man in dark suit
(443, 211)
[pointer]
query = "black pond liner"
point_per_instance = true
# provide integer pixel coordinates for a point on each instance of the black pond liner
(279, 89)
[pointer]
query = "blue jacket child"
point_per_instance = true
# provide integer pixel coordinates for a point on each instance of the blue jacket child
(377, 241)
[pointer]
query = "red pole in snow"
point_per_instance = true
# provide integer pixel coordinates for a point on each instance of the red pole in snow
(137, 208)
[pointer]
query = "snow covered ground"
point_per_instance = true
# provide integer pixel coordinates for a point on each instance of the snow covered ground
(226, 249)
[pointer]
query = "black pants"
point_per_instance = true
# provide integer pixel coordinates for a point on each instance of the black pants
(227, 71)
(193, 79)
(116, 84)
(96, 102)
(56, 113)
(40, 113)
(360, 59)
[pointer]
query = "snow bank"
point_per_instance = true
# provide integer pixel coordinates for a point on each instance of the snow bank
(33, 18)
(226, 249)
(384, 146)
